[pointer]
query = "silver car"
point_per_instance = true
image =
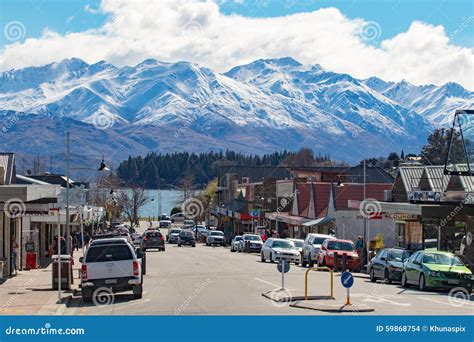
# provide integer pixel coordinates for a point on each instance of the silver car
(253, 241)
(236, 242)
(173, 235)
(215, 237)
(311, 247)
(279, 250)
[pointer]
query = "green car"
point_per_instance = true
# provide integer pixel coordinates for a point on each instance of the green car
(436, 269)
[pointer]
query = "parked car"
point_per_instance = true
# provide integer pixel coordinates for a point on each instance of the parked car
(188, 224)
(311, 246)
(298, 244)
(173, 235)
(178, 217)
(235, 244)
(165, 217)
(165, 224)
(111, 263)
(186, 237)
(387, 265)
(202, 232)
(136, 239)
(254, 241)
(215, 237)
(331, 246)
(279, 250)
(153, 239)
(436, 269)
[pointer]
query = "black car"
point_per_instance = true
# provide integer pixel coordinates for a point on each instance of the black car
(153, 239)
(387, 265)
(186, 237)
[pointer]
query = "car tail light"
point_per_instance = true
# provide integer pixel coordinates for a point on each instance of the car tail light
(161, 237)
(84, 272)
(145, 238)
(135, 268)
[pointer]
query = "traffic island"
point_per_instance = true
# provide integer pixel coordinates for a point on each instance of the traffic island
(287, 295)
(331, 306)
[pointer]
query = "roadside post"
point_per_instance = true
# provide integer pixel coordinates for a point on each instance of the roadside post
(335, 262)
(344, 262)
(347, 280)
(283, 267)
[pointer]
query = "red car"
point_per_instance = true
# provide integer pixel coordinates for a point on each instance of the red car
(331, 246)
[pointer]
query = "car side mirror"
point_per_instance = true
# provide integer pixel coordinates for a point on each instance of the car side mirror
(324, 248)
(81, 259)
(139, 254)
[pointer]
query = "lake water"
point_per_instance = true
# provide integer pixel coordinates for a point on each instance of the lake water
(161, 199)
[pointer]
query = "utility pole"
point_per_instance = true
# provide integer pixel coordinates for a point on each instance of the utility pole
(68, 227)
(365, 220)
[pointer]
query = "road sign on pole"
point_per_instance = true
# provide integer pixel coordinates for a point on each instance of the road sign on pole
(347, 280)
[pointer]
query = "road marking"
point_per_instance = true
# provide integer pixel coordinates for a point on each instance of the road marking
(466, 302)
(378, 299)
(266, 282)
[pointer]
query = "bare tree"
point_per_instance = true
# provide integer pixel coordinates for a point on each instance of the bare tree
(131, 202)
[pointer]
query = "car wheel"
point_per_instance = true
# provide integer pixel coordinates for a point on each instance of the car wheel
(271, 258)
(262, 259)
(86, 296)
(303, 263)
(194, 245)
(372, 276)
(404, 280)
(179, 245)
(137, 291)
(468, 289)
(386, 277)
(421, 282)
(311, 263)
(232, 249)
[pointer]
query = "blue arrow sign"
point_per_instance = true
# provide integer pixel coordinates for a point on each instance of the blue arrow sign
(347, 279)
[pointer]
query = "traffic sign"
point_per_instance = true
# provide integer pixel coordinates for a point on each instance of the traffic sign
(255, 213)
(283, 266)
(347, 279)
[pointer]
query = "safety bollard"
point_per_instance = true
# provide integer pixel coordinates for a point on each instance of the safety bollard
(344, 262)
(335, 262)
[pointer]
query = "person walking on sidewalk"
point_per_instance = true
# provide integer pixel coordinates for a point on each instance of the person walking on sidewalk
(14, 255)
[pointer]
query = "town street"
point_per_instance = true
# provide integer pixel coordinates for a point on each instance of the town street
(214, 281)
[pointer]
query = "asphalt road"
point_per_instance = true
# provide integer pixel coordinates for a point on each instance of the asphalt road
(214, 281)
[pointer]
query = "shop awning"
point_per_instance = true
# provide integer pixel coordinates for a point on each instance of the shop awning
(322, 220)
(293, 220)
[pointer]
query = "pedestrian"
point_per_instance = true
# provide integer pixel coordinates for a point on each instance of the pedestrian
(74, 245)
(14, 255)
(359, 244)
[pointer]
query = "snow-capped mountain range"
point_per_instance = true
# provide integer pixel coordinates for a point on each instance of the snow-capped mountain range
(263, 106)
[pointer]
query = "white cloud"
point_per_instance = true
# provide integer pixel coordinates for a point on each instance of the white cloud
(172, 30)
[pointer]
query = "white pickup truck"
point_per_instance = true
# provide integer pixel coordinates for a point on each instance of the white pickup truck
(111, 263)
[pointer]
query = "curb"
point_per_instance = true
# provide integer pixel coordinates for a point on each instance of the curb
(339, 308)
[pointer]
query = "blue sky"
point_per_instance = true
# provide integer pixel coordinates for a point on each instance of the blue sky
(396, 15)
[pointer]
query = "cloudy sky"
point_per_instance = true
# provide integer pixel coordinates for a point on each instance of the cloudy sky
(418, 40)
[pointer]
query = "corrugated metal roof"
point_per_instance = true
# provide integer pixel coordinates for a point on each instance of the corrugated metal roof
(411, 176)
(436, 177)
(466, 181)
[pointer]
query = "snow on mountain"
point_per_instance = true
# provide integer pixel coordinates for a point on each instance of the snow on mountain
(437, 104)
(262, 106)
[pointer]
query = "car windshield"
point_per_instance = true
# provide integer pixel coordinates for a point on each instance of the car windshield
(186, 233)
(283, 244)
(341, 245)
(238, 238)
(298, 243)
(153, 234)
(108, 253)
(398, 255)
(319, 240)
(252, 238)
(217, 233)
(442, 259)
(175, 231)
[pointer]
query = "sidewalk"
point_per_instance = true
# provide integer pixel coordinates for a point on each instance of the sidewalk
(31, 293)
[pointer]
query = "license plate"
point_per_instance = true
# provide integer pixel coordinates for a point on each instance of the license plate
(111, 281)
(453, 281)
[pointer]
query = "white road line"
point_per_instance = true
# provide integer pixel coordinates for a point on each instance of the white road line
(266, 282)
(445, 303)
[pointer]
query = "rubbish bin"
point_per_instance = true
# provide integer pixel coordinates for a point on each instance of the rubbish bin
(66, 271)
(30, 261)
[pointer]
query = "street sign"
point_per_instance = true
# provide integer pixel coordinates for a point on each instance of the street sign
(255, 213)
(347, 279)
(283, 266)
